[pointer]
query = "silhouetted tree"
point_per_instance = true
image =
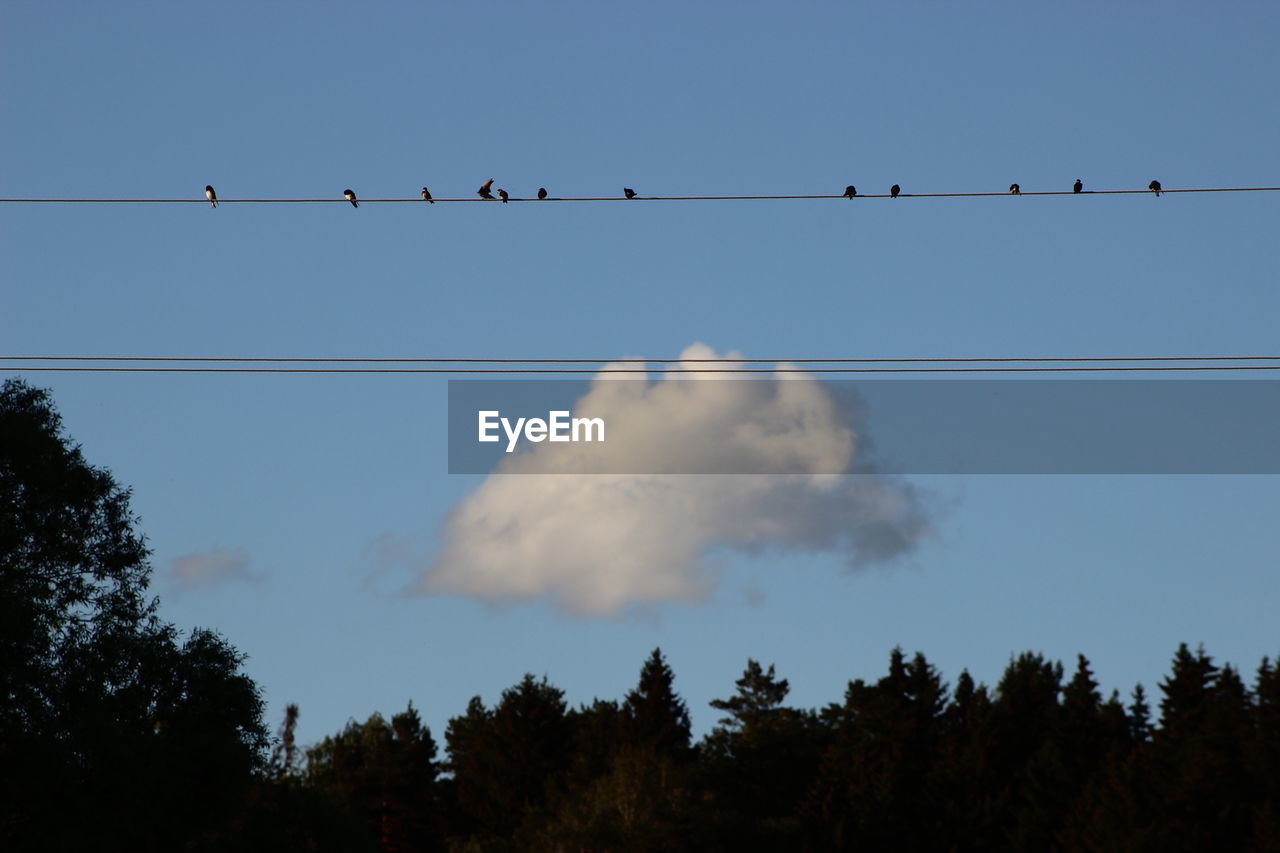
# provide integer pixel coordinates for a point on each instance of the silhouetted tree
(656, 716)
(1139, 717)
(148, 740)
(875, 787)
(386, 773)
(285, 753)
(758, 763)
(506, 762)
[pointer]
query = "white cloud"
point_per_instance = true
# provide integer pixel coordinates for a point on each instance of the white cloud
(208, 568)
(596, 544)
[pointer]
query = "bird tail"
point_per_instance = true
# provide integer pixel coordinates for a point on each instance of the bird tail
(355, 203)
(213, 201)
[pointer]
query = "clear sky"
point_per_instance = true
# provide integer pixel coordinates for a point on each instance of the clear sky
(273, 502)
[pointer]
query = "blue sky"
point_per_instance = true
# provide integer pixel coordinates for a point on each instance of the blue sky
(302, 477)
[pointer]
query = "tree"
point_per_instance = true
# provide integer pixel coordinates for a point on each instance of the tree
(149, 740)
(385, 773)
(1139, 717)
(629, 784)
(759, 762)
(1186, 693)
(874, 788)
(284, 757)
(506, 762)
(71, 567)
(656, 716)
(760, 694)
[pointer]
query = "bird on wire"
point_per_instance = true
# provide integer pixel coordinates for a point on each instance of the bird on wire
(503, 195)
(1155, 187)
(1078, 186)
(894, 190)
(426, 195)
(542, 193)
(850, 191)
(351, 197)
(211, 195)
(1014, 189)
(486, 190)
(628, 192)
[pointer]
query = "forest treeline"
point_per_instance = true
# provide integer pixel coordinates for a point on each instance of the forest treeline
(118, 732)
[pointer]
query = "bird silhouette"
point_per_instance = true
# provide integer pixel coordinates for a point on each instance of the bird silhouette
(211, 195)
(503, 194)
(542, 192)
(484, 191)
(1078, 186)
(850, 191)
(1155, 187)
(628, 192)
(1014, 189)
(894, 190)
(351, 197)
(426, 195)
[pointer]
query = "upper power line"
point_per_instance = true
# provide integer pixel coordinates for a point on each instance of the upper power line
(348, 196)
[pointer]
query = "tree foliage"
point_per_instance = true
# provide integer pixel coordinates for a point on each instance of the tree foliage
(119, 733)
(148, 739)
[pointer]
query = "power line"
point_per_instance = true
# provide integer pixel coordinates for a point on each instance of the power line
(469, 360)
(626, 370)
(341, 200)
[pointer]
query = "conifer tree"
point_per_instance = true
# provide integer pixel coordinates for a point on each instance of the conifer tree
(657, 717)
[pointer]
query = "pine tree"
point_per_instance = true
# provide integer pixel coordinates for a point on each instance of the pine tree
(657, 717)
(1186, 694)
(1264, 754)
(759, 695)
(759, 762)
(1139, 717)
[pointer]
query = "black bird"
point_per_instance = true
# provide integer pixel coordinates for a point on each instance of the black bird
(1155, 187)
(1078, 186)
(211, 195)
(426, 195)
(894, 190)
(503, 194)
(351, 197)
(1014, 189)
(542, 192)
(850, 191)
(485, 190)
(628, 192)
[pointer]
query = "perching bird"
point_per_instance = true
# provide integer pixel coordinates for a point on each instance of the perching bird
(1078, 186)
(1014, 189)
(894, 190)
(484, 191)
(628, 192)
(503, 194)
(850, 191)
(351, 197)
(542, 192)
(211, 195)
(1154, 186)
(426, 195)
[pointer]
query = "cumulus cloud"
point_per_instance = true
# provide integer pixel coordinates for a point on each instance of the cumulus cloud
(596, 544)
(216, 566)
